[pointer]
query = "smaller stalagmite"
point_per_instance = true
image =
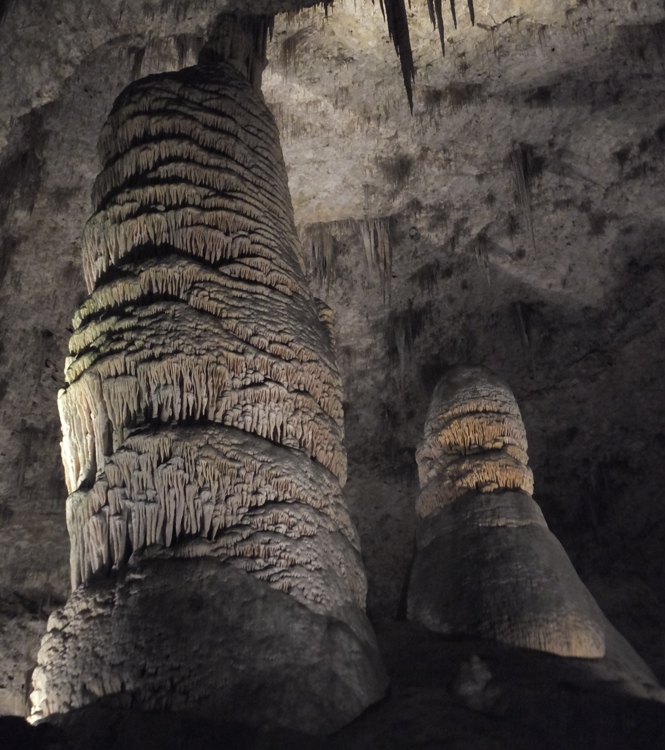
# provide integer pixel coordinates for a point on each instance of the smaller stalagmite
(487, 565)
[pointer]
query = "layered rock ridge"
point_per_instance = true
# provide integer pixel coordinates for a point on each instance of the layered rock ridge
(214, 565)
(487, 565)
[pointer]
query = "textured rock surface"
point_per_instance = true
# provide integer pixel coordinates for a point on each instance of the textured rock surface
(202, 418)
(445, 693)
(575, 326)
(201, 637)
(486, 563)
(495, 572)
(474, 441)
(43, 50)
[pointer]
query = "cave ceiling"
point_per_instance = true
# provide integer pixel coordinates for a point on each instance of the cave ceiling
(514, 219)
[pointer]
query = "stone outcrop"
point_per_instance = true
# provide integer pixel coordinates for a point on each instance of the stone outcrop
(487, 565)
(214, 565)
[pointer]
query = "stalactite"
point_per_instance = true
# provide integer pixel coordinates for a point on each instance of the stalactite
(378, 252)
(520, 164)
(436, 17)
(520, 313)
(404, 344)
(202, 419)
(453, 12)
(318, 245)
(394, 11)
(482, 255)
(400, 342)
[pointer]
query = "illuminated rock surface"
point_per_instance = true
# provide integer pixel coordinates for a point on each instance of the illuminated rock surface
(202, 436)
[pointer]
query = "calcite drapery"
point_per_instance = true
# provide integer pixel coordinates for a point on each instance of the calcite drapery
(202, 434)
(487, 564)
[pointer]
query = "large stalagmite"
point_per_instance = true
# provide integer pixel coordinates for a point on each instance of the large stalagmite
(486, 564)
(214, 565)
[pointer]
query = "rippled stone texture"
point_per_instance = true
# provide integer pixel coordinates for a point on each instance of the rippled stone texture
(214, 565)
(487, 564)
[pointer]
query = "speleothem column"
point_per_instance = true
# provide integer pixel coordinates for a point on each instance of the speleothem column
(214, 566)
(487, 565)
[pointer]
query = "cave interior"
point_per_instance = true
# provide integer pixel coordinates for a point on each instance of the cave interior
(472, 184)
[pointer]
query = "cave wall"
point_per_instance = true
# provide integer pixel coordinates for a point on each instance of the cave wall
(522, 206)
(513, 221)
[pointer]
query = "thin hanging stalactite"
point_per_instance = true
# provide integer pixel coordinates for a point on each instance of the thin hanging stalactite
(436, 17)
(394, 11)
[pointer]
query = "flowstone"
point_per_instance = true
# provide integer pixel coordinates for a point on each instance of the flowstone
(215, 568)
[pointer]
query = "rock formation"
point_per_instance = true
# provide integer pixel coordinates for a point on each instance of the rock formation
(214, 566)
(487, 564)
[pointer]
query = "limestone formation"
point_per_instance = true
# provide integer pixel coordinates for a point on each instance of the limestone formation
(474, 440)
(487, 565)
(214, 565)
(397, 19)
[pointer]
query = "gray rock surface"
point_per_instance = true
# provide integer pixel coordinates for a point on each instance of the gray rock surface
(530, 700)
(229, 648)
(487, 565)
(575, 325)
